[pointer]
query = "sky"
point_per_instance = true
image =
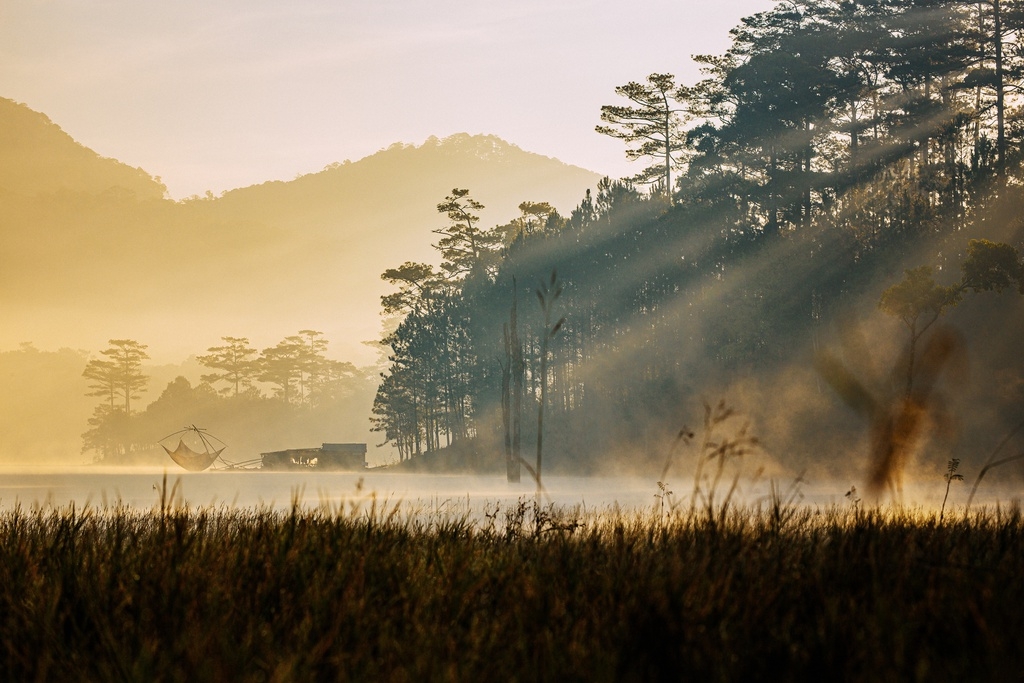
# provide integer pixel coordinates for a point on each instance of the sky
(211, 95)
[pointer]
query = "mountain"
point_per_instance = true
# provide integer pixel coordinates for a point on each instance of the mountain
(90, 249)
(37, 157)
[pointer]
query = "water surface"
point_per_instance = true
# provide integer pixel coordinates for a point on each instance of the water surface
(143, 489)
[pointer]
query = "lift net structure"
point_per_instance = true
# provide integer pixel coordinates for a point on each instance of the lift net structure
(190, 458)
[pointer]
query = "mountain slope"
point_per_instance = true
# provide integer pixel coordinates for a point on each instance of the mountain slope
(82, 263)
(37, 157)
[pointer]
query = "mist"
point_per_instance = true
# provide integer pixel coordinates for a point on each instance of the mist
(750, 407)
(262, 261)
(732, 292)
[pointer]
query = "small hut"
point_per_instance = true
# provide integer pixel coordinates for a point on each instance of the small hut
(337, 457)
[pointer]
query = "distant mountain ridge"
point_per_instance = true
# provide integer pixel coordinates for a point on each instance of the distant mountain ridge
(38, 157)
(91, 249)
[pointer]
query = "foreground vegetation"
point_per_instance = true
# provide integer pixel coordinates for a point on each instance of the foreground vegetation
(380, 593)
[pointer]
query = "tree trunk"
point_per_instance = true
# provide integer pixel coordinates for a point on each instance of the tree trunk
(997, 30)
(511, 464)
(518, 368)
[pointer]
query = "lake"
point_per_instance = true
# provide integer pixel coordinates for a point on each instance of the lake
(140, 488)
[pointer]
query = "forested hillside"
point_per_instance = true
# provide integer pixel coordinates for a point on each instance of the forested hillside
(89, 241)
(832, 147)
(91, 251)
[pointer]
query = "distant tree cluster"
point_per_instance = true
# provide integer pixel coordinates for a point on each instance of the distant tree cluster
(302, 378)
(297, 368)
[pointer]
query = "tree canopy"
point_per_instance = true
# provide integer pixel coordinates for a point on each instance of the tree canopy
(832, 145)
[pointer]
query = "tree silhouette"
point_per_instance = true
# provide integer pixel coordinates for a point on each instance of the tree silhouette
(120, 381)
(547, 294)
(126, 356)
(652, 124)
(103, 375)
(463, 244)
(296, 365)
(236, 363)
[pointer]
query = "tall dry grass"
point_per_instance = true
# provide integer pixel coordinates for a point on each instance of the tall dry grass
(379, 593)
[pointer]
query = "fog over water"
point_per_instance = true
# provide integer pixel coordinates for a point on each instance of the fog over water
(98, 488)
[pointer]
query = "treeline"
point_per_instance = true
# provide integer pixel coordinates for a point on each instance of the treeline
(255, 399)
(832, 146)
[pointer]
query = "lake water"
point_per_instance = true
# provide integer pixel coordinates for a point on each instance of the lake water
(140, 488)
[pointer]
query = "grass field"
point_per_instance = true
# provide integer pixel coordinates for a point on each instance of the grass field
(381, 593)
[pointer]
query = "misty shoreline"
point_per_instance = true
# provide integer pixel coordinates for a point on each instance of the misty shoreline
(100, 487)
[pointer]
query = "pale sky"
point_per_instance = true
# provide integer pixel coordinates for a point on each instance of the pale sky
(219, 94)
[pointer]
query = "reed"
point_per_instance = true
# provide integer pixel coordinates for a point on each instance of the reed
(379, 591)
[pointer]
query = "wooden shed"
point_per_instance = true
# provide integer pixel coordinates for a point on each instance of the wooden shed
(338, 457)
